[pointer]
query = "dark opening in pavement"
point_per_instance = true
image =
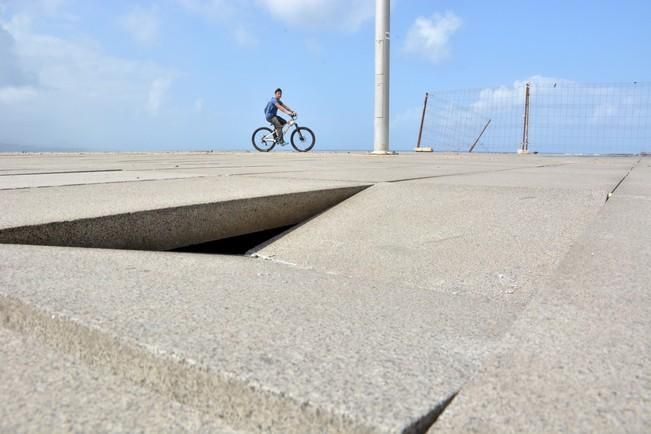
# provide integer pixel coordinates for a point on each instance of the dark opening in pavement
(238, 245)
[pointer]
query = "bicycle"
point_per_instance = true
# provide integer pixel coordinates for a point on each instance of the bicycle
(302, 138)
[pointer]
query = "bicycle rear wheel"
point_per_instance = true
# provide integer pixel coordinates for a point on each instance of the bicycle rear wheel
(260, 139)
(303, 139)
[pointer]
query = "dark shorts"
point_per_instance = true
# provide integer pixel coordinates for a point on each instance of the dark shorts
(277, 121)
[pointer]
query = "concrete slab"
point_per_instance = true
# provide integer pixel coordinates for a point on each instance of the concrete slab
(638, 181)
(381, 174)
(578, 359)
(47, 205)
(179, 226)
(274, 347)
(499, 242)
(358, 168)
(29, 180)
(338, 166)
(370, 317)
(42, 390)
(161, 215)
(576, 177)
(164, 168)
(198, 163)
(410, 166)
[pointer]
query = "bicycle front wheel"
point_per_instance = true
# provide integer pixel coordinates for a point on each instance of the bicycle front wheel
(303, 139)
(263, 140)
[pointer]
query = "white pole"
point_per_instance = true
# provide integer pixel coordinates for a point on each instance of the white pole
(382, 56)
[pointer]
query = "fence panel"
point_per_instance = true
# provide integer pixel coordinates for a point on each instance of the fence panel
(562, 117)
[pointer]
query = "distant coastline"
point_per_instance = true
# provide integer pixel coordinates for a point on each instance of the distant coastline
(6, 147)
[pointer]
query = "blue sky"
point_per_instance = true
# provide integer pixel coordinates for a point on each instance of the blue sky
(196, 74)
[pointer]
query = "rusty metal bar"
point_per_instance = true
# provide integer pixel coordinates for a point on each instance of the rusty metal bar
(422, 121)
(479, 136)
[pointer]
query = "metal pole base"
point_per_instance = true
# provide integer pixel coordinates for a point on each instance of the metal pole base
(384, 153)
(423, 149)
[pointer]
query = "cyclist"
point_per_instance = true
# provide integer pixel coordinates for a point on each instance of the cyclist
(271, 114)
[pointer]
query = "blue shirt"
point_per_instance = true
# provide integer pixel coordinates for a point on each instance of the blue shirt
(271, 110)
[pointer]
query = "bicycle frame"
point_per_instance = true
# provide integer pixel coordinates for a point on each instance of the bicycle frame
(270, 139)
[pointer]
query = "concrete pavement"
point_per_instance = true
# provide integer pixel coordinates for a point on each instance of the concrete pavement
(394, 305)
(42, 390)
(577, 359)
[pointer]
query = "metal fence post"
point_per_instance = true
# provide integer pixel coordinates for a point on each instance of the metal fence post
(420, 130)
(524, 146)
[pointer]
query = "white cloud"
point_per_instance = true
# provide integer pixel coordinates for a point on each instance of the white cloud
(79, 68)
(509, 96)
(346, 15)
(544, 82)
(16, 94)
(142, 24)
(339, 15)
(430, 37)
(65, 91)
(157, 92)
(19, 23)
(604, 111)
(73, 68)
(499, 97)
(12, 72)
(48, 8)
(564, 115)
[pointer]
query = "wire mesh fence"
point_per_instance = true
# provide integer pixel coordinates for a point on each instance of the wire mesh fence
(547, 116)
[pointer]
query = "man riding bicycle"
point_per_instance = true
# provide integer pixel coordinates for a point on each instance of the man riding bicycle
(271, 114)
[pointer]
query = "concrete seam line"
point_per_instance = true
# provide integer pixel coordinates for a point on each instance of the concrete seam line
(612, 192)
(43, 187)
(479, 172)
(311, 178)
(269, 173)
(61, 173)
(242, 404)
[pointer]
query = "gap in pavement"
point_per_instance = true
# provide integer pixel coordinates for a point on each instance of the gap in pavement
(220, 227)
(237, 245)
(423, 424)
